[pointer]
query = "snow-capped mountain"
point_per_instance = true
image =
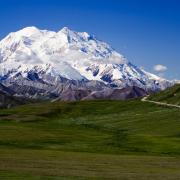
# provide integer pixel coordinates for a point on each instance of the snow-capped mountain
(51, 61)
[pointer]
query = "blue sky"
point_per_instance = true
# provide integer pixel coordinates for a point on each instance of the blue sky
(147, 32)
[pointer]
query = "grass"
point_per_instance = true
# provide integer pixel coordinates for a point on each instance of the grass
(90, 140)
(36, 164)
(170, 95)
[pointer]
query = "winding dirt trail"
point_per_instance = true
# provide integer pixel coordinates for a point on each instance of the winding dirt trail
(144, 99)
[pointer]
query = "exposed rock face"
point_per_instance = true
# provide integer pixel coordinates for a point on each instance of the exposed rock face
(6, 98)
(108, 93)
(42, 64)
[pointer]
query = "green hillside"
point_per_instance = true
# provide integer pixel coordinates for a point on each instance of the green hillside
(90, 140)
(170, 95)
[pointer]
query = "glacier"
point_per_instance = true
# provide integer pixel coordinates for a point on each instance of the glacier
(51, 61)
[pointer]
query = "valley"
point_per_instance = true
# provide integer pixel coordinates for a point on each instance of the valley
(72, 108)
(89, 90)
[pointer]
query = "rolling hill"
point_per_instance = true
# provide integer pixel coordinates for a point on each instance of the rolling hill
(170, 95)
(90, 140)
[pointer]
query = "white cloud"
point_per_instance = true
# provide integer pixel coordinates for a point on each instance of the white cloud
(160, 68)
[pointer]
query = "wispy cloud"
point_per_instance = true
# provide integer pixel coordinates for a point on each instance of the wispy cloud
(159, 68)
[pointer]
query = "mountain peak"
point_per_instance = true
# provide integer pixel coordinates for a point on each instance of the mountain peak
(28, 31)
(30, 28)
(71, 55)
(75, 36)
(65, 29)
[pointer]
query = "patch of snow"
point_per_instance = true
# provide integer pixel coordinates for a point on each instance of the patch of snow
(72, 55)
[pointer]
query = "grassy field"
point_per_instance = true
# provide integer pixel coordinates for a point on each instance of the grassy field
(90, 140)
(170, 95)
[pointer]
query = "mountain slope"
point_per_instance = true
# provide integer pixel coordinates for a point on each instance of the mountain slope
(7, 99)
(170, 95)
(46, 60)
(108, 93)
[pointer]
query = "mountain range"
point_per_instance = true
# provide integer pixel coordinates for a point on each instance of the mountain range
(69, 65)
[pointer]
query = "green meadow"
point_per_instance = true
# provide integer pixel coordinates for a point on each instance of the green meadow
(90, 140)
(170, 95)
